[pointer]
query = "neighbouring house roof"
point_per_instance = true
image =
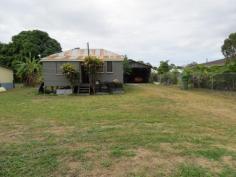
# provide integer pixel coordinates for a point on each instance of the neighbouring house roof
(220, 62)
(80, 54)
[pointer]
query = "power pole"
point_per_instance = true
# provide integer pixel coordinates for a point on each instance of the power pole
(88, 48)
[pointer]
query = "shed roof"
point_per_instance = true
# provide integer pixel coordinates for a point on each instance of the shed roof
(140, 63)
(80, 54)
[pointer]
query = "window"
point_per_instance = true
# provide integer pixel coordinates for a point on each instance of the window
(100, 68)
(59, 68)
(109, 66)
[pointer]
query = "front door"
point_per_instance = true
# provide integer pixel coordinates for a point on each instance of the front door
(84, 74)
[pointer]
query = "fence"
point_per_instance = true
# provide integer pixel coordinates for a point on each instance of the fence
(226, 81)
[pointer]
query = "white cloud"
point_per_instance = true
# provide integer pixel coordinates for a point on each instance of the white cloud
(180, 30)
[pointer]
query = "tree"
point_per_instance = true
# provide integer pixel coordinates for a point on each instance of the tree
(126, 66)
(29, 71)
(5, 58)
(71, 74)
(230, 67)
(92, 64)
(229, 47)
(35, 42)
(164, 67)
(192, 64)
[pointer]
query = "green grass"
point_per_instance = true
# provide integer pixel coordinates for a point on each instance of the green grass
(148, 131)
(214, 153)
(193, 171)
(120, 151)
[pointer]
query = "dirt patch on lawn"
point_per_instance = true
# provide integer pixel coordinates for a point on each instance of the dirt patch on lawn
(228, 160)
(73, 166)
(60, 130)
(213, 166)
(11, 137)
(13, 134)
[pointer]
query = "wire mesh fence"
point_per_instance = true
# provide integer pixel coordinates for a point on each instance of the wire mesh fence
(225, 81)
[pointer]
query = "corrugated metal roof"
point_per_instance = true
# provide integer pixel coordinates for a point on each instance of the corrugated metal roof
(80, 54)
(140, 63)
(220, 62)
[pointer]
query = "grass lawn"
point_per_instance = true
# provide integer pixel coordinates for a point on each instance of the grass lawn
(148, 131)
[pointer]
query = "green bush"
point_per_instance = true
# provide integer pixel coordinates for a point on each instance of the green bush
(154, 77)
(215, 77)
(169, 78)
(71, 74)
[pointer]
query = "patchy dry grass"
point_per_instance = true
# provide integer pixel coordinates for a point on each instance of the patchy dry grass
(149, 131)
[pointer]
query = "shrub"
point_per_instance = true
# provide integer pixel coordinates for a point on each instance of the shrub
(154, 77)
(215, 77)
(71, 74)
(29, 71)
(169, 78)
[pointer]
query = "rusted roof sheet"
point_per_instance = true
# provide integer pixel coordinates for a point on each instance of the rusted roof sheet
(80, 54)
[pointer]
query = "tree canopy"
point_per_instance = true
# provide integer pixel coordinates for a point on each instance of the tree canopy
(229, 47)
(164, 67)
(33, 43)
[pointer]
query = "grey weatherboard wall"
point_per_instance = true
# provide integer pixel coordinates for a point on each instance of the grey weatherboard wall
(52, 73)
(53, 76)
(117, 72)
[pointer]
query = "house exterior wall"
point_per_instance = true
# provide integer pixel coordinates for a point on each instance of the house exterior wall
(53, 77)
(52, 73)
(116, 74)
(6, 78)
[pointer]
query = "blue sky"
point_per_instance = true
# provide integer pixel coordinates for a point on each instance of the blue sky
(181, 31)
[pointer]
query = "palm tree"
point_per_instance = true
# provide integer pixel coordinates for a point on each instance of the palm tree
(28, 71)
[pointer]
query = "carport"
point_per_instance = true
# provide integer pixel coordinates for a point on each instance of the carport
(140, 72)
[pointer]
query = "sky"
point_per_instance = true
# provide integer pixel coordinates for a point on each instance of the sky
(181, 31)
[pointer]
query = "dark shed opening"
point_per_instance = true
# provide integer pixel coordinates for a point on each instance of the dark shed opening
(140, 72)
